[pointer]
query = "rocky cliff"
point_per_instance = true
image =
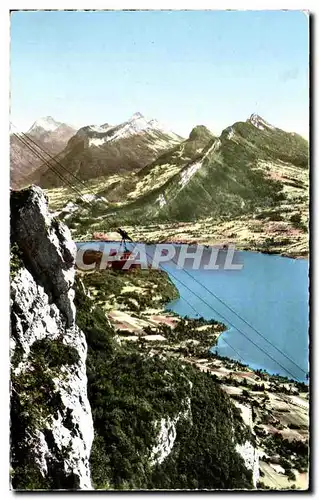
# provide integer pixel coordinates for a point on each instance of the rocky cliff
(51, 421)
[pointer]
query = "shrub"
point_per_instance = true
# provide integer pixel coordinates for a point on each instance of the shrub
(54, 353)
(16, 260)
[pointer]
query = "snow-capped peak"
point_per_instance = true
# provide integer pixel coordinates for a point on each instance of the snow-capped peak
(47, 123)
(136, 125)
(139, 123)
(136, 116)
(259, 122)
(100, 128)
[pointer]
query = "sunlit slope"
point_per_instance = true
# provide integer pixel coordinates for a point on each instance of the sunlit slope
(236, 173)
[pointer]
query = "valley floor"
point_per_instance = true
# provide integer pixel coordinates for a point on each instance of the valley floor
(244, 233)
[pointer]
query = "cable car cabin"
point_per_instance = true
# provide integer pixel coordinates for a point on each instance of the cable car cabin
(122, 259)
(95, 257)
(92, 257)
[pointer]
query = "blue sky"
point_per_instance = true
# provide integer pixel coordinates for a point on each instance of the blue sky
(182, 68)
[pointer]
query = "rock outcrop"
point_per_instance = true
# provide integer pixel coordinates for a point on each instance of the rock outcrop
(167, 433)
(51, 421)
(251, 458)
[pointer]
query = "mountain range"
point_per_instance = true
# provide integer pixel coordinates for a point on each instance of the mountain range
(102, 150)
(207, 175)
(139, 172)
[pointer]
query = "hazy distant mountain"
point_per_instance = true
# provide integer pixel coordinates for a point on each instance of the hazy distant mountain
(96, 151)
(50, 135)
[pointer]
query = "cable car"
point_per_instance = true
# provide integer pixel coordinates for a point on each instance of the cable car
(122, 259)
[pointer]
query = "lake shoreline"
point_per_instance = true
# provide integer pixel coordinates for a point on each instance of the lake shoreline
(257, 305)
(210, 313)
(272, 406)
(275, 409)
(239, 248)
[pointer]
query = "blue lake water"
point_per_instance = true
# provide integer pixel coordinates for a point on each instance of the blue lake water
(270, 293)
(264, 306)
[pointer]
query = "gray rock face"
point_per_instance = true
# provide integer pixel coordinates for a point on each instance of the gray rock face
(251, 458)
(51, 421)
(48, 250)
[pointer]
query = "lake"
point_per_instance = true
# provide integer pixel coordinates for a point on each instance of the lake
(270, 293)
(264, 306)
